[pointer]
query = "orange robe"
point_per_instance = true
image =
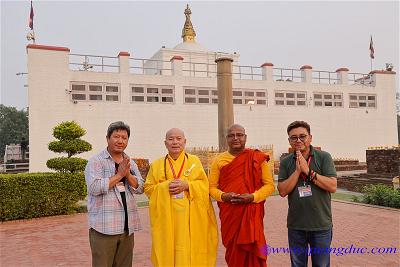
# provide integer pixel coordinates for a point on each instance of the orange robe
(242, 226)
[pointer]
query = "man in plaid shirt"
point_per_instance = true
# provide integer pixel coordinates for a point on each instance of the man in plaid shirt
(112, 178)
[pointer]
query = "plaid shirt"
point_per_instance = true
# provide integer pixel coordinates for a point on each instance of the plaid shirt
(105, 208)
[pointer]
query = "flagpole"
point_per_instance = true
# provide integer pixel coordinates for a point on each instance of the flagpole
(371, 63)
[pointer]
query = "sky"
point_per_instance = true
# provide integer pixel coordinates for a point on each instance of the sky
(290, 34)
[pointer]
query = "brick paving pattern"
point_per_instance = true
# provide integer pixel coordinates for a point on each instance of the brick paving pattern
(63, 240)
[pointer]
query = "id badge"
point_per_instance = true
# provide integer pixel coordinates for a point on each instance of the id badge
(179, 196)
(305, 191)
(121, 187)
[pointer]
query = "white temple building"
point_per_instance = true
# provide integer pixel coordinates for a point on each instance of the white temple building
(177, 87)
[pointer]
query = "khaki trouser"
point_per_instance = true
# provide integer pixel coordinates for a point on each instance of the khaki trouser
(111, 250)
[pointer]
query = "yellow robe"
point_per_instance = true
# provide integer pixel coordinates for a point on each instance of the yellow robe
(184, 231)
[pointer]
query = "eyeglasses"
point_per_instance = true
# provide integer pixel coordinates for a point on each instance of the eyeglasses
(294, 138)
(238, 135)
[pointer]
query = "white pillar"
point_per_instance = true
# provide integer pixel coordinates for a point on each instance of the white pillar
(176, 62)
(306, 74)
(267, 71)
(123, 62)
(343, 75)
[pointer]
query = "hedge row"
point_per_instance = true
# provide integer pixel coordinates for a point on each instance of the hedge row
(381, 195)
(29, 195)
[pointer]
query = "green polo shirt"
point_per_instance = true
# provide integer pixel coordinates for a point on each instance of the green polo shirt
(312, 213)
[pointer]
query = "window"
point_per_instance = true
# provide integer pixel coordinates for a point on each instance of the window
(204, 92)
(190, 91)
(138, 90)
(78, 97)
(260, 94)
(112, 89)
(204, 100)
(96, 88)
(200, 95)
(246, 96)
(152, 94)
(328, 100)
(362, 101)
(290, 98)
(152, 90)
(99, 92)
(78, 87)
(137, 98)
(95, 97)
(205, 95)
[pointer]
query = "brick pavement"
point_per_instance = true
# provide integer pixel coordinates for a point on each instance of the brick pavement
(63, 240)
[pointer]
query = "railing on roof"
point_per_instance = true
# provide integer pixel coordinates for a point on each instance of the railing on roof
(286, 75)
(360, 79)
(79, 62)
(150, 66)
(93, 63)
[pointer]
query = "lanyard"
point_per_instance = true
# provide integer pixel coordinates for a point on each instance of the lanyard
(303, 176)
(172, 168)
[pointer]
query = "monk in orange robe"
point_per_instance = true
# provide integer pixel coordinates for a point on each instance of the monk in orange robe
(241, 180)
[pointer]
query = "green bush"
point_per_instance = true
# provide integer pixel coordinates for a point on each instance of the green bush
(381, 195)
(30, 195)
(68, 134)
(63, 164)
(68, 130)
(75, 146)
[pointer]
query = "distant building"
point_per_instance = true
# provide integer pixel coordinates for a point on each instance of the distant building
(177, 87)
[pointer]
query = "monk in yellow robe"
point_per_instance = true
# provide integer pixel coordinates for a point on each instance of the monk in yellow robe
(183, 224)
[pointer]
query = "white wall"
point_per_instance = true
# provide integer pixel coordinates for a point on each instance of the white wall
(344, 132)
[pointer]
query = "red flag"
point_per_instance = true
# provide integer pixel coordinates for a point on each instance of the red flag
(371, 49)
(31, 18)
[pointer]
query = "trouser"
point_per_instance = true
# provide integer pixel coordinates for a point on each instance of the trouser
(111, 250)
(319, 241)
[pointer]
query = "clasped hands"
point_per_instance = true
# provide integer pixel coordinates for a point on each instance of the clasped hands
(235, 198)
(301, 164)
(124, 170)
(177, 186)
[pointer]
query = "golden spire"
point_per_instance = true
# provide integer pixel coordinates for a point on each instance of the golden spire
(188, 33)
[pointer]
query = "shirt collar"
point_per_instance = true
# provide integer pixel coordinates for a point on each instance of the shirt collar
(105, 154)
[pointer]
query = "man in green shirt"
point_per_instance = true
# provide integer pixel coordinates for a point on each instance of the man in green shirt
(307, 177)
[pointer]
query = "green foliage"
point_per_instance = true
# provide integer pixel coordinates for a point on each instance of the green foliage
(68, 130)
(72, 146)
(381, 195)
(64, 164)
(31, 195)
(68, 133)
(13, 126)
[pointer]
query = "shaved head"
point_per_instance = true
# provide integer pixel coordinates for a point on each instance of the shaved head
(236, 126)
(174, 131)
(236, 139)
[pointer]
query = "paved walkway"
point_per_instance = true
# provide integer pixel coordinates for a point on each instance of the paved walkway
(63, 240)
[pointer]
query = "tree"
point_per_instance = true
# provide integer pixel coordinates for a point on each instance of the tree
(13, 126)
(68, 134)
